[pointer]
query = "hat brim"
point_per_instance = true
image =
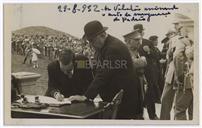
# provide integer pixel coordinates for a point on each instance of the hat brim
(127, 35)
(85, 37)
(139, 29)
(175, 22)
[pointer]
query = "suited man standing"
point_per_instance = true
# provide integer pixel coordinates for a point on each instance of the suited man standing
(66, 77)
(115, 72)
(157, 64)
(146, 49)
(139, 62)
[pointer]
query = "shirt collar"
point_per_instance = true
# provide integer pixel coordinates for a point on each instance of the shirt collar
(140, 41)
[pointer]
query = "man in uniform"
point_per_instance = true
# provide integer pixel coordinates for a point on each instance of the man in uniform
(183, 84)
(170, 78)
(168, 91)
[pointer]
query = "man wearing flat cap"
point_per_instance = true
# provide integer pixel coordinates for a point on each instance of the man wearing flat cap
(146, 50)
(110, 79)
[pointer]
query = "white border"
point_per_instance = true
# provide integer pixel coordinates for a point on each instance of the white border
(100, 1)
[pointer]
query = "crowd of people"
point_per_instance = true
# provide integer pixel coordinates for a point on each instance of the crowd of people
(50, 46)
(146, 74)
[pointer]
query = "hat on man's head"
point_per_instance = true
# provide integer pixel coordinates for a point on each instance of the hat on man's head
(92, 29)
(176, 21)
(138, 27)
(153, 38)
(132, 35)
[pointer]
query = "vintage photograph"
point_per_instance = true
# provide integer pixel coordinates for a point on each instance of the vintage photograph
(132, 63)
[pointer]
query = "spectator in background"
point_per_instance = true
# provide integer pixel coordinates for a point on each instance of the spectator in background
(28, 54)
(156, 64)
(35, 53)
(49, 45)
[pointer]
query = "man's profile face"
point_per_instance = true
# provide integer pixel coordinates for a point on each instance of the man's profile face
(184, 32)
(177, 26)
(97, 42)
(66, 68)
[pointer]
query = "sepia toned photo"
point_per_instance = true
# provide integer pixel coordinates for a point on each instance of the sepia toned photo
(101, 63)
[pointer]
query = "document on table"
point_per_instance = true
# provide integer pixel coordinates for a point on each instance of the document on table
(45, 99)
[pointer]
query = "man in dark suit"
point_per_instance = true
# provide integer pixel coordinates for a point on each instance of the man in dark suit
(157, 64)
(139, 62)
(114, 71)
(146, 49)
(66, 77)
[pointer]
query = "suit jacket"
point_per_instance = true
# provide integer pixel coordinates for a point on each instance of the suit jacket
(108, 81)
(151, 72)
(151, 59)
(77, 84)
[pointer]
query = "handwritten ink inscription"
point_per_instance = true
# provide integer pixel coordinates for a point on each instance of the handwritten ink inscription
(120, 12)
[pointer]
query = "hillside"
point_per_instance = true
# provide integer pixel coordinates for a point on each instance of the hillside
(40, 30)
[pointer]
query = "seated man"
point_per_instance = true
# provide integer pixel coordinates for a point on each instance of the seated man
(66, 77)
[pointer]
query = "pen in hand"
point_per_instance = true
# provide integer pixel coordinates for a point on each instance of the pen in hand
(58, 96)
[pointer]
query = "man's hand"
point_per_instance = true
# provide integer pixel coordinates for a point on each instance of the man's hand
(77, 98)
(146, 49)
(58, 96)
(162, 61)
(143, 58)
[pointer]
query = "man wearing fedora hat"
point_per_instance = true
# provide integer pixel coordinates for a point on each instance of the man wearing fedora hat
(109, 81)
